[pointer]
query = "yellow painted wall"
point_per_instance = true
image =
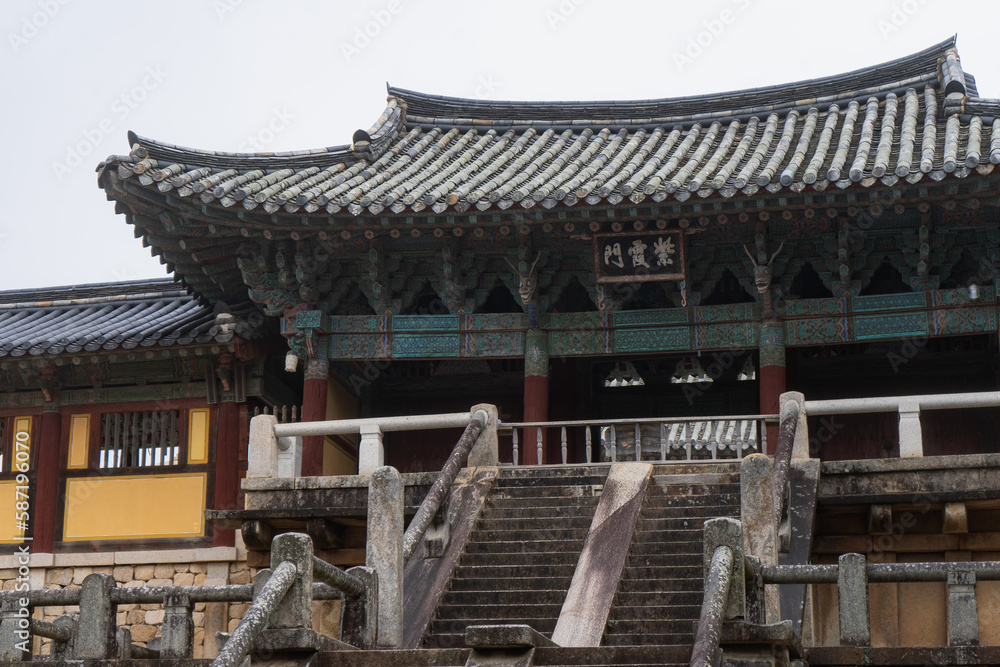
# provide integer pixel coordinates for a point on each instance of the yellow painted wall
(146, 506)
(9, 532)
(198, 435)
(79, 441)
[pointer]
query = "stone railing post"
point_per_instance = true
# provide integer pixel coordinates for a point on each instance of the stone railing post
(852, 589)
(371, 453)
(725, 532)
(95, 632)
(359, 615)
(262, 454)
(800, 449)
(963, 616)
(384, 552)
(15, 631)
(177, 630)
(911, 439)
(64, 650)
(486, 450)
(290, 457)
(295, 608)
(757, 512)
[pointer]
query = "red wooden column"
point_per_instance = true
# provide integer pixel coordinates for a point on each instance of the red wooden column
(771, 348)
(227, 467)
(47, 460)
(536, 393)
(314, 409)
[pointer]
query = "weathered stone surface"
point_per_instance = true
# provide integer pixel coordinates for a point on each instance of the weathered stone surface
(729, 533)
(963, 617)
(584, 612)
(486, 450)
(757, 514)
(164, 571)
(142, 633)
(384, 552)
(124, 574)
(95, 637)
(183, 579)
(144, 572)
(60, 576)
(135, 617)
(852, 587)
(505, 636)
(80, 573)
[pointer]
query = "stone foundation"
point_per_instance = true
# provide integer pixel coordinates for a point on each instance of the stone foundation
(181, 567)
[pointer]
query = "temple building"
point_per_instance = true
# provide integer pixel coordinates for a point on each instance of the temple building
(662, 282)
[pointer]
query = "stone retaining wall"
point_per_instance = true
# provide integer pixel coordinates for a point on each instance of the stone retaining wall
(181, 567)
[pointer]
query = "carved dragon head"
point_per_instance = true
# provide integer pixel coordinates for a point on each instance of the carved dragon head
(528, 282)
(762, 272)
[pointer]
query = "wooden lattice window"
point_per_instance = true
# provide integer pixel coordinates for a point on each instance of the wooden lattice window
(139, 439)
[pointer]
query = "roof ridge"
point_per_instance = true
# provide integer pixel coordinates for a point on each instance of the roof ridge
(92, 293)
(890, 76)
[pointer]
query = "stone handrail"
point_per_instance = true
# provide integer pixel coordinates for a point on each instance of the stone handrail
(275, 449)
(783, 463)
(853, 573)
(442, 484)
(690, 438)
(908, 407)
(284, 595)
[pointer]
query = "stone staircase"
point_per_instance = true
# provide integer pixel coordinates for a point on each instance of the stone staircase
(519, 560)
(660, 593)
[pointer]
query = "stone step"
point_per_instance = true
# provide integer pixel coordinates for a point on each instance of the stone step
(524, 546)
(696, 520)
(670, 612)
(533, 534)
(513, 583)
(649, 639)
(688, 534)
(529, 494)
(681, 470)
(540, 502)
(700, 500)
(550, 514)
(581, 523)
(723, 473)
(658, 598)
(494, 572)
(701, 487)
(677, 570)
(450, 657)
(612, 655)
(446, 626)
(480, 559)
(653, 547)
(477, 599)
(506, 482)
(570, 472)
(673, 585)
(676, 625)
(496, 613)
(662, 559)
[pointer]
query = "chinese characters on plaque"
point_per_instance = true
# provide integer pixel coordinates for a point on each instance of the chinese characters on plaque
(639, 256)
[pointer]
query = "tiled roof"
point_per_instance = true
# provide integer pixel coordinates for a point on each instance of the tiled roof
(913, 118)
(106, 316)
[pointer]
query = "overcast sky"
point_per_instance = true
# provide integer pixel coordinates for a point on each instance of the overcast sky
(237, 75)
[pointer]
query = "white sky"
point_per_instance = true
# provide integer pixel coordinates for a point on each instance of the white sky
(212, 73)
